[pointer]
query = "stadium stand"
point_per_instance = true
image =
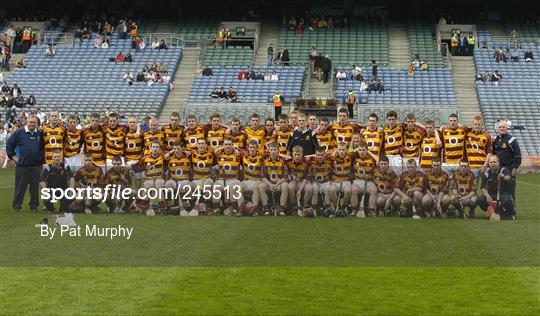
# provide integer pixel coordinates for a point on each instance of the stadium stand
(421, 42)
(516, 97)
(83, 80)
(228, 57)
(289, 84)
(527, 32)
(195, 30)
(359, 44)
(483, 34)
(425, 87)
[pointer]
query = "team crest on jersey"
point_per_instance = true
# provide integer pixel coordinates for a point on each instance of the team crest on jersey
(503, 145)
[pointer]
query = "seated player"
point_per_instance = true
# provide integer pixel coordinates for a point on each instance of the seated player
(464, 183)
(120, 178)
(202, 163)
(56, 175)
(385, 179)
(178, 163)
(89, 176)
(340, 189)
(152, 165)
(411, 188)
(496, 186)
(436, 200)
(227, 183)
(363, 184)
(274, 173)
(298, 169)
(319, 177)
(252, 162)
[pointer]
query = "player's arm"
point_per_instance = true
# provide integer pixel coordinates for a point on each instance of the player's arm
(438, 141)
(374, 157)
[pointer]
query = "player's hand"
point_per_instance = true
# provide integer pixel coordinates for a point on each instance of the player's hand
(514, 172)
(16, 159)
(489, 199)
(500, 176)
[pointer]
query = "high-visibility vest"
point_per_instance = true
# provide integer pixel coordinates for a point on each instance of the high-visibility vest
(277, 100)
(27, 35)
(454, 41)
(221, 34)
(351, 98)
(471, 39)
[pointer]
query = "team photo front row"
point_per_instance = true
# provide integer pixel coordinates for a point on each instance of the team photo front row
(298, 166)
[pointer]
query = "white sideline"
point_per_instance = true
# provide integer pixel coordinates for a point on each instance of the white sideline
(527, 183)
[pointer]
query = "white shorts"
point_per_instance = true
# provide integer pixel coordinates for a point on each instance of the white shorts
(74, 162)
(320, 187)
(345, 185)
(362, 184)
(202, 182)
(396, 163)
(250, 185)
(229, 182)
(175, 184)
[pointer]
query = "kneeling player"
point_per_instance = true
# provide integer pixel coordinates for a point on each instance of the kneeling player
(252, 162)
(298, 169)
(385, 180)
(411, 188)
(340, 189)
(202, 163)
(152, 165)
(362, 184)
(178, 174)
(227, 183)
(436, 198)
(274, 180)
(89, 176)
(119, 178)
(57, 176)
(464, 182)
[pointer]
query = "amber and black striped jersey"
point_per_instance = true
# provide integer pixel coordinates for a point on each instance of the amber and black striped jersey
(477, 146)
(428, 151)
(408, 181)
(363, 168)
(89, 176)
(437, 183)
(202, 165)
(228, 165)
(119, 177)
(239, 140)
(320, 170)
(214, 137)
(342, 133)
(342, 167)
(149, 138)
(191, 136)
(114, 141)
(374, 140)
(453, 144)
(282, 139)
(274, 170)
(298, 170)
(393, 139)
(152, 166)
(385, 181)
(171, 135)
(412, 140)
(257, 134)
(464, 183)
(269, 137)
(133, 145)
(53, 138)
(94, 143)
(72, 142)
(252, 166)
(326, 141)
(179, 168)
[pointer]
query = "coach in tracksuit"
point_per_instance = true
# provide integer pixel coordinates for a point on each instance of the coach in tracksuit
(30, 158)
(507, 148)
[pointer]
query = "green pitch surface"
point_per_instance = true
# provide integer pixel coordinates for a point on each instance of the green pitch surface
(217, 265)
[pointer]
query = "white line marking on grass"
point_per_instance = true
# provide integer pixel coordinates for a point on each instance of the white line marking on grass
(527, 183)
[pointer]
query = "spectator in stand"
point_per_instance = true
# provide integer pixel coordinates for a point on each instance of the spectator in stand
(155, 44)
(120, 58)
(162, 44)
(20, 63)
(11, 33)
(356, 73)
(161, 67)
(373, 70)
(478, 76)
(514, 55)
(78, 36)
(341, 75)
(496, 77)
(326, 65)
(207, 72)
(364, 85)
(105, 43)
(215, 93)
(122, 29)
(232, 95)
(285, 56)
(424, 64)
(98, 41)
(463, 45)
(416, 61)
(529, 56)
(251, 74)
(5, 56)
(15, 91)
(242, 75)
(140, 77)
(267, 76)
(49, 51)
(379, 86)
(85, 34)
(270, 54)
(222, 94)
(274, 76)
(128, 77)
(128, 58)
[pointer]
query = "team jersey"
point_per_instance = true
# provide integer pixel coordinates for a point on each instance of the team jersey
(171, 135)
(149, 138)
(214, 137)
(89, 177)
(374, 140)
(53, 137)
(120, 177)
(152, 167)
(428, 151)
(269, 137)
(228, 165)
(252, 166)
(393, 139)
(412, 140)
(326, 141)
(94, 143)
(179, 168)
(202, 165)
(282, 139)
(257, 134)
(437, 183)
(239, 140)
(464, 183)
(477, 147)
(454, 144)
(320, 171)
(385, 181)
(114, 141)
(363, 168)
(274, 170)
(72, 142)
(298, 170)
(407, 181)
(191, 136)
(133, 145)
(342, 167)
(342, 133)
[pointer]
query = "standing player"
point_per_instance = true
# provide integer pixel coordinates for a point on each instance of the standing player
(133, 142)
(298, 169)
(430, 146)
(464, 184)
(364, 164)
(172, 132)
(342, 130)
(319, 177)
(89, 176)
(73, 144)
(193, 132)
(436, 198)
(372, 135)
(178, 162)
(293, 120)
(284, 132)
(215, 132)
(234, 132)
(342, 166)
(453, 140)
(478, 146)
(412, 139)
(120, 177)
(252, 162)
(325, 137)
(385, 179)
(274, 179)
(312, 122)
(152, 165)
(255, 131)
(114, 139)
(227, 183)
(270, 133)
(202, 162)
(411, 188)
(154, 134)
(393, 140)
(94, 141)
(53, 136)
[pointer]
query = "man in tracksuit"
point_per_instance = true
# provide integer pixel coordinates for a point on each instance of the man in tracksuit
(507, 148)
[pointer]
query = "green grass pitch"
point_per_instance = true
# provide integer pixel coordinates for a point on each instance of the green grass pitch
(219, 265)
